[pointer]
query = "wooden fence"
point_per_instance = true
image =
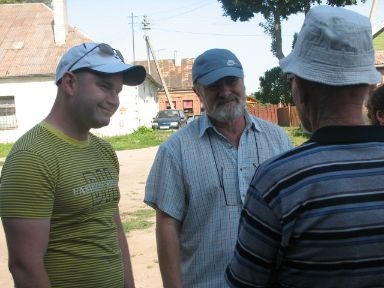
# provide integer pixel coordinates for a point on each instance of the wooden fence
(283, 116)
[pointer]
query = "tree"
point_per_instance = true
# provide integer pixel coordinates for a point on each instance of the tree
(274, 88)
(274, 12)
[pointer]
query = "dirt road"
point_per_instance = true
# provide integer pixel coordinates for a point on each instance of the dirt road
(134, 168)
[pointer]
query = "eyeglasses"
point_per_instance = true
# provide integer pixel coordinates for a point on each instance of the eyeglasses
(104, 48)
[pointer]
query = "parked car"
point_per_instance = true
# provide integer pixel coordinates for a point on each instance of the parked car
(169, 119)
(191, 118)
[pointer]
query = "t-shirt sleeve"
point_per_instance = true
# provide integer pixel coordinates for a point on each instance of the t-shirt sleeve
(26, 187)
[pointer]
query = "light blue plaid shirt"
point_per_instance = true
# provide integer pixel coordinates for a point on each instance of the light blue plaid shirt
(200, 179)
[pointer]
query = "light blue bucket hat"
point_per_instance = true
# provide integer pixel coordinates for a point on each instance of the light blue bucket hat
(334, 47)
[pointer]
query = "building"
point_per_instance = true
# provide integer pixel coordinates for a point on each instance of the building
(33, 39)
(177, 75)
(378, 44)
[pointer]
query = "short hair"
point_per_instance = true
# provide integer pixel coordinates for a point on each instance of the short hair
(375, 102)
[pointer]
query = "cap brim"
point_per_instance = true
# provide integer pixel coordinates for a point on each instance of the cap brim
(333, 76)
(216, 75)
(133, 75)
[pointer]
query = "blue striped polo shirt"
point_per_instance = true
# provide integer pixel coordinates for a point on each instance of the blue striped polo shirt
(314, 216)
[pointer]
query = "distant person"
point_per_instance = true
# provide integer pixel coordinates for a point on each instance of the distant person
(59, 189)
(375, 106)
(314, 216)
(201, 173)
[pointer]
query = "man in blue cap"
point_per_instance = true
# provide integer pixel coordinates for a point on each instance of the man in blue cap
(314, 217)
(201, 173)
(59, 189)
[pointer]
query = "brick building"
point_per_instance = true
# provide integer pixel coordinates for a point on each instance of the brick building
(177, 74)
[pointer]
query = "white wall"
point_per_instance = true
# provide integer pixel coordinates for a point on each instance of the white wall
(138, 105)
(34, 99)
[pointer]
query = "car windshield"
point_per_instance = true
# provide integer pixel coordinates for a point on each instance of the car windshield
(168, 114)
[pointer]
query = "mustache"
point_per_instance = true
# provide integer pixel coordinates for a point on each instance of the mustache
(223, 101)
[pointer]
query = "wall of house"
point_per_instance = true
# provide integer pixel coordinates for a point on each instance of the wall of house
(137, 108)
(178, 97)
(34, 99)
(378, 41)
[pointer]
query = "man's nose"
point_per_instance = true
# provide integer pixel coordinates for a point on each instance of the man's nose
(224, 88)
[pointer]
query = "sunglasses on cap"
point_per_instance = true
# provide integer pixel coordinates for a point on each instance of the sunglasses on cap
(103, 48)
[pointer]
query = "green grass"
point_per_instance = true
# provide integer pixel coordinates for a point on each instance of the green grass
(296, 135)
(137, 220)
(145, 137)
(4, 150)
(141, 138)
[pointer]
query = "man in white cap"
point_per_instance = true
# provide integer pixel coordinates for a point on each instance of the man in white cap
(314, 217)
(59, 190)
(201, 173)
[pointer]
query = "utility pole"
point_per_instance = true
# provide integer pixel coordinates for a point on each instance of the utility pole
(373, 10)
(133, 39)
(150, 48)
(145, 28)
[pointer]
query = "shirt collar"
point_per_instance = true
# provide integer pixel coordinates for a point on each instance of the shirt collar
(348, 134)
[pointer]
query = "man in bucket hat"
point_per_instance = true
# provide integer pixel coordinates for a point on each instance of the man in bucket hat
(59, 190)
(314, 217)
(201, 173)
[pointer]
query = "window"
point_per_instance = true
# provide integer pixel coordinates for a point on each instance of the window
(188, 107)
(169, 106)
(7, 112)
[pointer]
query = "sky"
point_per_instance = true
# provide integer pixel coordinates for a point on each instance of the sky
(185, 29)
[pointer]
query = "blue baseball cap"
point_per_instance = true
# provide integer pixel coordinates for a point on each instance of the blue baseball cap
(215, 64)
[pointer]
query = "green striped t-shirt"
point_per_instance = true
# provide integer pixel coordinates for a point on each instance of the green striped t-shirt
(48, 175)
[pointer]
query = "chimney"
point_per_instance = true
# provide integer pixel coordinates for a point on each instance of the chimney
(60, 21)
(176, 59)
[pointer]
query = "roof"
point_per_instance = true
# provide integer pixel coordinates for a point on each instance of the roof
(177, 74)
(27, 45)
(379, 58)
(377, 29)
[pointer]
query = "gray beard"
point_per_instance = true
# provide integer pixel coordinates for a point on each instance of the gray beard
(222, 114)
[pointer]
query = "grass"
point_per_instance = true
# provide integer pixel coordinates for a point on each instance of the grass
(296, 135)
(4, 149)
(141, 138)
(145, 137)
(137, 220)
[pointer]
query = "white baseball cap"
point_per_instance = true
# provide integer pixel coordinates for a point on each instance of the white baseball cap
(99, 57)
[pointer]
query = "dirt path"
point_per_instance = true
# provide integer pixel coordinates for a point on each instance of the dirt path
(134, 165)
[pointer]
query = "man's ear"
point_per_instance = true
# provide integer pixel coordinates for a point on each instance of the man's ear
(68, 81)
(300, 90)
(380, 116)
(196, 90)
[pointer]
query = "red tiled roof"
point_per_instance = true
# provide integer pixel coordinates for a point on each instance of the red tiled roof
(27, 45)
(379, 58)
(176, 75)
